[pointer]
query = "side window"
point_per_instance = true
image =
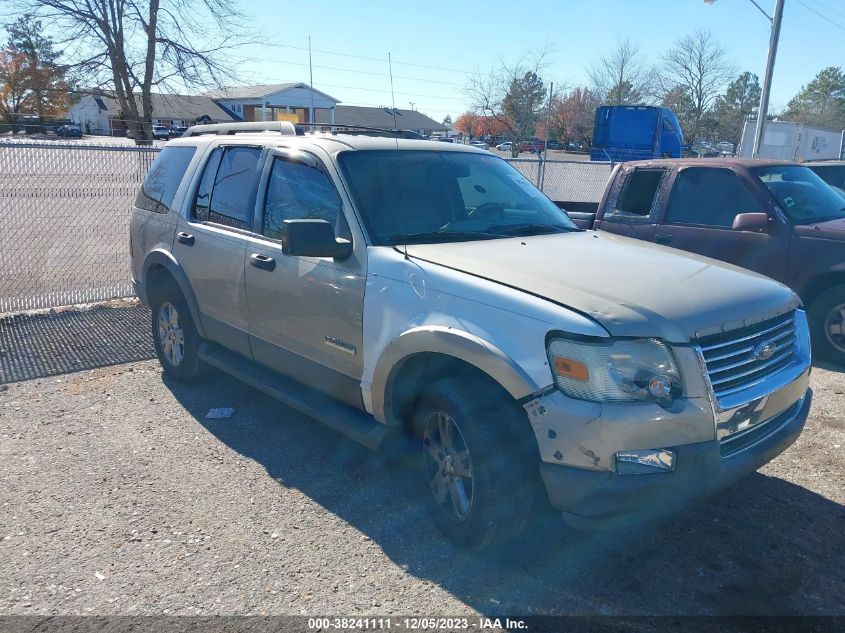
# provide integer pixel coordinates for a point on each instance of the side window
(203, 199)
(226, 194)
(638, 193)
(297, 191)
(163, 179)
(709, 196)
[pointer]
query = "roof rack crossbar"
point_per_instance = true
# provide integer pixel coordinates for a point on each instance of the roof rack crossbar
(285, 128)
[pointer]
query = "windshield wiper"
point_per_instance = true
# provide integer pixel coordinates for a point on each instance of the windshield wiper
(441, 236)
(531, 229)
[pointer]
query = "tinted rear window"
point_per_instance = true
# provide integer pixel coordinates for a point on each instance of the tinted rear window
(163, 179)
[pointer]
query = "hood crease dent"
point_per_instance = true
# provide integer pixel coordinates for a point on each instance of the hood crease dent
(630, 287)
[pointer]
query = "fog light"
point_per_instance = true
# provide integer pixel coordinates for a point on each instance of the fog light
(645, 462)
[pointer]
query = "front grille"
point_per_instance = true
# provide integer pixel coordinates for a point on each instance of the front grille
(734, 359)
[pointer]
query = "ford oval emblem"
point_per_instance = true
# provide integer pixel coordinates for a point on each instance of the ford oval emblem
(764, 350)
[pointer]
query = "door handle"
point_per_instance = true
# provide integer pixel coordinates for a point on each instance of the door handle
(265, 262)
(662, 238)
(185, 238)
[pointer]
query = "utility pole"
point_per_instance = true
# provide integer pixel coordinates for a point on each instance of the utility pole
(311, 116)
(763, 110)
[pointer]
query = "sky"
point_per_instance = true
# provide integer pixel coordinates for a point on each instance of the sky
(435, 45)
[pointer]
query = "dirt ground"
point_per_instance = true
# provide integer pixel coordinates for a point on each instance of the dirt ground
(118, 496)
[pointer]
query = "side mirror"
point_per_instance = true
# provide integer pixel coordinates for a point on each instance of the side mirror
(314, 238)
(751, 222)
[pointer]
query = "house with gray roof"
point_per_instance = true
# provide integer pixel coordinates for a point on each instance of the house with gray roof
(99, 113)
(383, 118)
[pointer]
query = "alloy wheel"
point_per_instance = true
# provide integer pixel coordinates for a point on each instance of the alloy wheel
(170, 334)
(447, 464)
(834, 327)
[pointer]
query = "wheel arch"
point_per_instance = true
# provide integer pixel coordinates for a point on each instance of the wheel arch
(159, 267)
(818, 284)
(427, 352)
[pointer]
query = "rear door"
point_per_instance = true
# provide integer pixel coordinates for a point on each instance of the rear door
(631, 207)
(211, 241)
(699, 214)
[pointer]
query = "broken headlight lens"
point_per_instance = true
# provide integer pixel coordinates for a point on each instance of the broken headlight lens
(636, 369)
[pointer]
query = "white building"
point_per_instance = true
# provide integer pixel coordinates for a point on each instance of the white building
(296, 102)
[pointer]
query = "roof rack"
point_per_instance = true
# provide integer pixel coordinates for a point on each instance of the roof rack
(335, 128)
(286, 128)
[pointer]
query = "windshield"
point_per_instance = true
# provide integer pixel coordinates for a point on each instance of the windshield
(430, 196)
(802, 195)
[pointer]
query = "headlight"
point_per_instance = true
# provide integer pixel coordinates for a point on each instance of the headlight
(638, 369)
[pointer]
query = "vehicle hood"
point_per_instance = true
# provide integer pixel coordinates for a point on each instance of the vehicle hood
(830, 230)
(631, 287)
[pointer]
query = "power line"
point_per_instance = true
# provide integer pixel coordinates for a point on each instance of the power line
(834, 11)
(821, 15)
(375, 59)
(362, 72)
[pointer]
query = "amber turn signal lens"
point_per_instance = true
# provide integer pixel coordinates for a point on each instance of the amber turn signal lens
(569, 368)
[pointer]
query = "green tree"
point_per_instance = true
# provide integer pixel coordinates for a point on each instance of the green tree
(821, 102)
(739, 103)
(447, 121)
(523, 105)
(45, 79)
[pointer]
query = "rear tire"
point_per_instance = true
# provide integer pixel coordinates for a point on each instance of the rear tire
(827, 324)
(476, 459)
(175, 336)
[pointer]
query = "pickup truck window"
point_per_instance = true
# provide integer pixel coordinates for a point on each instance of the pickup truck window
(709, 196)
(447, 196)
(637, 196)
(802, 195)
(297, 191)
(226, 194)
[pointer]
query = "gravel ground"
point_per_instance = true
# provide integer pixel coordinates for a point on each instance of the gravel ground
(118, 496)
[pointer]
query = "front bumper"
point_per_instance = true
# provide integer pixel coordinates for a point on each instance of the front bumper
(599, 498)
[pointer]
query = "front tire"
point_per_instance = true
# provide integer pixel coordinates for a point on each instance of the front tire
(476, 459)
(827, 324)
(175, 336)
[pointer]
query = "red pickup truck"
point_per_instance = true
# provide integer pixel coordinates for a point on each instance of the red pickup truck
(778, 219)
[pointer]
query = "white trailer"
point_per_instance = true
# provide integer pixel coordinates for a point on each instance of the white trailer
(798, 142)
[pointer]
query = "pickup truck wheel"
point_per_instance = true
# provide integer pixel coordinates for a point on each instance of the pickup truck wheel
(175, 337)
(827, 324)
(476, 462)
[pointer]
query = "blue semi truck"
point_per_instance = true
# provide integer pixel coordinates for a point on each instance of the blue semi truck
(625, 133)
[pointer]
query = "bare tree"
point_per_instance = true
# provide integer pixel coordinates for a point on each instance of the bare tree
(621, 77)
(512, 96)
(133, 46)
(698, 67)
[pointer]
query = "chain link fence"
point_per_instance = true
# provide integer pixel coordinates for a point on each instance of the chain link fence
(64, 221)
(65, 208)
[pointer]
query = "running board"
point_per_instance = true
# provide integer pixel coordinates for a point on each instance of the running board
(344, 419)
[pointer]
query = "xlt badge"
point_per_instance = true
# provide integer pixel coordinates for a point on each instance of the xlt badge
(343, 346)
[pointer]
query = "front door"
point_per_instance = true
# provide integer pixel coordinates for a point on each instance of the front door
(210, 244)
(305, 313)
(630, 209)
(699, 217)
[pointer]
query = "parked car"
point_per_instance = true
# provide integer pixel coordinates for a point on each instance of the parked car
(69, 131)
(504, 147)
(777, 219)
(831, 171)
(395, 289)
(533, 145)
(161, 132)
(479, 144)
(623, 133)
(177, 130)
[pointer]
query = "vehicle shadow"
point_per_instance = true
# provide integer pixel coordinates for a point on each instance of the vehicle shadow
(765, 546)
(823, 364)
(52, 343)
